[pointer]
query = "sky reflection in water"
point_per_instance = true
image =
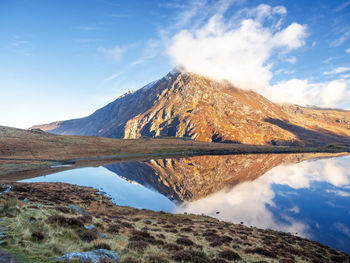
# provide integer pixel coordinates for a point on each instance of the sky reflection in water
(311, 198)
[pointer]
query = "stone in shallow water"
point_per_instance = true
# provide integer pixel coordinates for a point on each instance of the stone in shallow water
(95, 256)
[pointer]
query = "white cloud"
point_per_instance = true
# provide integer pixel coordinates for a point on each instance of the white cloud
(334, 92)
(337, 71)
(237, 50)
(243, 49)
(347, 50)
(115, 53)
(300, 91)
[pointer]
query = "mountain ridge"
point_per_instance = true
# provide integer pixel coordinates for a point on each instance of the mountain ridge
(184, 104)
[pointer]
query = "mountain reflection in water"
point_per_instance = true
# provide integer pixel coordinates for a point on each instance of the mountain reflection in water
(282, 192)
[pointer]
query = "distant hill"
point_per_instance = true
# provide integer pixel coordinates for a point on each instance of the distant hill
(184, 104)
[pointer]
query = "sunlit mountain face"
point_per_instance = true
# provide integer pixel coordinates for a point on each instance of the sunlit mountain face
(292, 193)
(189, 105)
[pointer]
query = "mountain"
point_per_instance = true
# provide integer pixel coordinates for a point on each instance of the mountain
(184, 104)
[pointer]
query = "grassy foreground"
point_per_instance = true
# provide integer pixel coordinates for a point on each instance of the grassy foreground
(42, 221)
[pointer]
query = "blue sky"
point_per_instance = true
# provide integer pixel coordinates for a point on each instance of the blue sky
(65, 59)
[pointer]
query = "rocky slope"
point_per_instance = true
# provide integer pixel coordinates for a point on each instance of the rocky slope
(188, 105)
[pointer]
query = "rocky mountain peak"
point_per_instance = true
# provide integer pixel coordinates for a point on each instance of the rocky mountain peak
(185, 104)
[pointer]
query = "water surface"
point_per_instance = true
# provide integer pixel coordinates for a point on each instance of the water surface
(310, 198)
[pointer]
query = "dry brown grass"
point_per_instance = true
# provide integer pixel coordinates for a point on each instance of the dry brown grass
(61, 231)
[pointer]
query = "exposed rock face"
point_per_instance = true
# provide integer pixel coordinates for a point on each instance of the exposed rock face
(96, 256)
(190, 105)
(189, 179)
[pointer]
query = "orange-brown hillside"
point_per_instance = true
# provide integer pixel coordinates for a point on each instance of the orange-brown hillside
(190, 105)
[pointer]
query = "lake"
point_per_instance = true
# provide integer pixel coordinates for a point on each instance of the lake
(304, 194)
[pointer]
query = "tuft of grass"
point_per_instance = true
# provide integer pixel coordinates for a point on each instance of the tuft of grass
(130, 260)
(87, 235)
(38, 235)
(184, 241)
(113, 229)
(229, 254)
(9, 208)
(65, 221)
(182, 255)
(138, 246)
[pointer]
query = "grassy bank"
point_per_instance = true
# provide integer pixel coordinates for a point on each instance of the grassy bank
(43, 221)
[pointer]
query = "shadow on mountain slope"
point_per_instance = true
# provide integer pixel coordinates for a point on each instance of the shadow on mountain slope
(310, 137)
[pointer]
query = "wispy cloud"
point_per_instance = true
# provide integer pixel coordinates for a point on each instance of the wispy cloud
(113, 76)
(342, 6)
(87, 40)
(86, 28)
(330, 59)
(347, 50)
(115, 53)
(291, 60)
(339, 192)
(340, 40)
(118, 15)
(18, 41)
(150, 50)
(342, 229)
(337, 71)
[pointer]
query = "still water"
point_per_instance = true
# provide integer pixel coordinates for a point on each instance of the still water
(300, 194)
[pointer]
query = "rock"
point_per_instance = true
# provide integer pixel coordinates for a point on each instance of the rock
(76, 209)
(92, 227)
(6, 258)
(95, 256)
(7, 189)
